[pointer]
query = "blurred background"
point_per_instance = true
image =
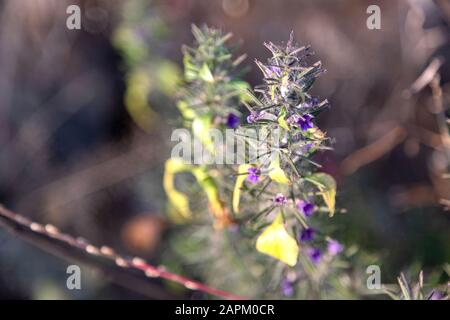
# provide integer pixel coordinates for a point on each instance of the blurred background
(86, 117)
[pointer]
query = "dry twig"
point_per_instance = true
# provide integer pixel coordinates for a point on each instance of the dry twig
(129, 272)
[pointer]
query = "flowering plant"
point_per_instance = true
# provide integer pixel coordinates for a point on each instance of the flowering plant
(415, 291)
(277, 201)
(283, 111)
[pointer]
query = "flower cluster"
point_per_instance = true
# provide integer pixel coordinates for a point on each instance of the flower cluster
(280, 198)
(283, 104)
(285, 188)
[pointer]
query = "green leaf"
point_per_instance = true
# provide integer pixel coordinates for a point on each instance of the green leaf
(205, 73)
(198, 33)
(282, 121)
(139, 86)
(190, 70)
(242, 175)
(320, 108)
(252, 97)
(242, 88)
(308, 84)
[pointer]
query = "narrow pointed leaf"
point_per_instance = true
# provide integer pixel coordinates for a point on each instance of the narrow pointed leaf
(327, 186)
(205, 73)
(242, 175)
(276, 173)
(282, 121)
(179, 202)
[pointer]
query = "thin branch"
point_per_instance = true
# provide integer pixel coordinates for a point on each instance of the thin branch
(130, 272)
(373, 151)
(426, 77)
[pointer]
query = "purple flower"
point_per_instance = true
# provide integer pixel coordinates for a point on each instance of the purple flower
(308, 147)
(307, 234)
(233, 121)
(274, 71)
(253, 175)
(436, 295)
(305, 122)
(334, 247)
(280, 199)
(305, 207)
(310, 103)
(255, 116)
(287, 287)
(252, 117)
(314, 254)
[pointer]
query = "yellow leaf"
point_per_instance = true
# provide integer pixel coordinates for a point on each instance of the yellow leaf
(174, 214)
(168, 77)
(327, 186)
(185, 110)
(209, 186)
(201, 128)
(318, 134)
(139, 86)
(205, 73)
(282, 121)
(276, 173)
(330, 198)
(221, 215)
(190, 70)
(242, 175)
(179, 202)
(276, 242)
